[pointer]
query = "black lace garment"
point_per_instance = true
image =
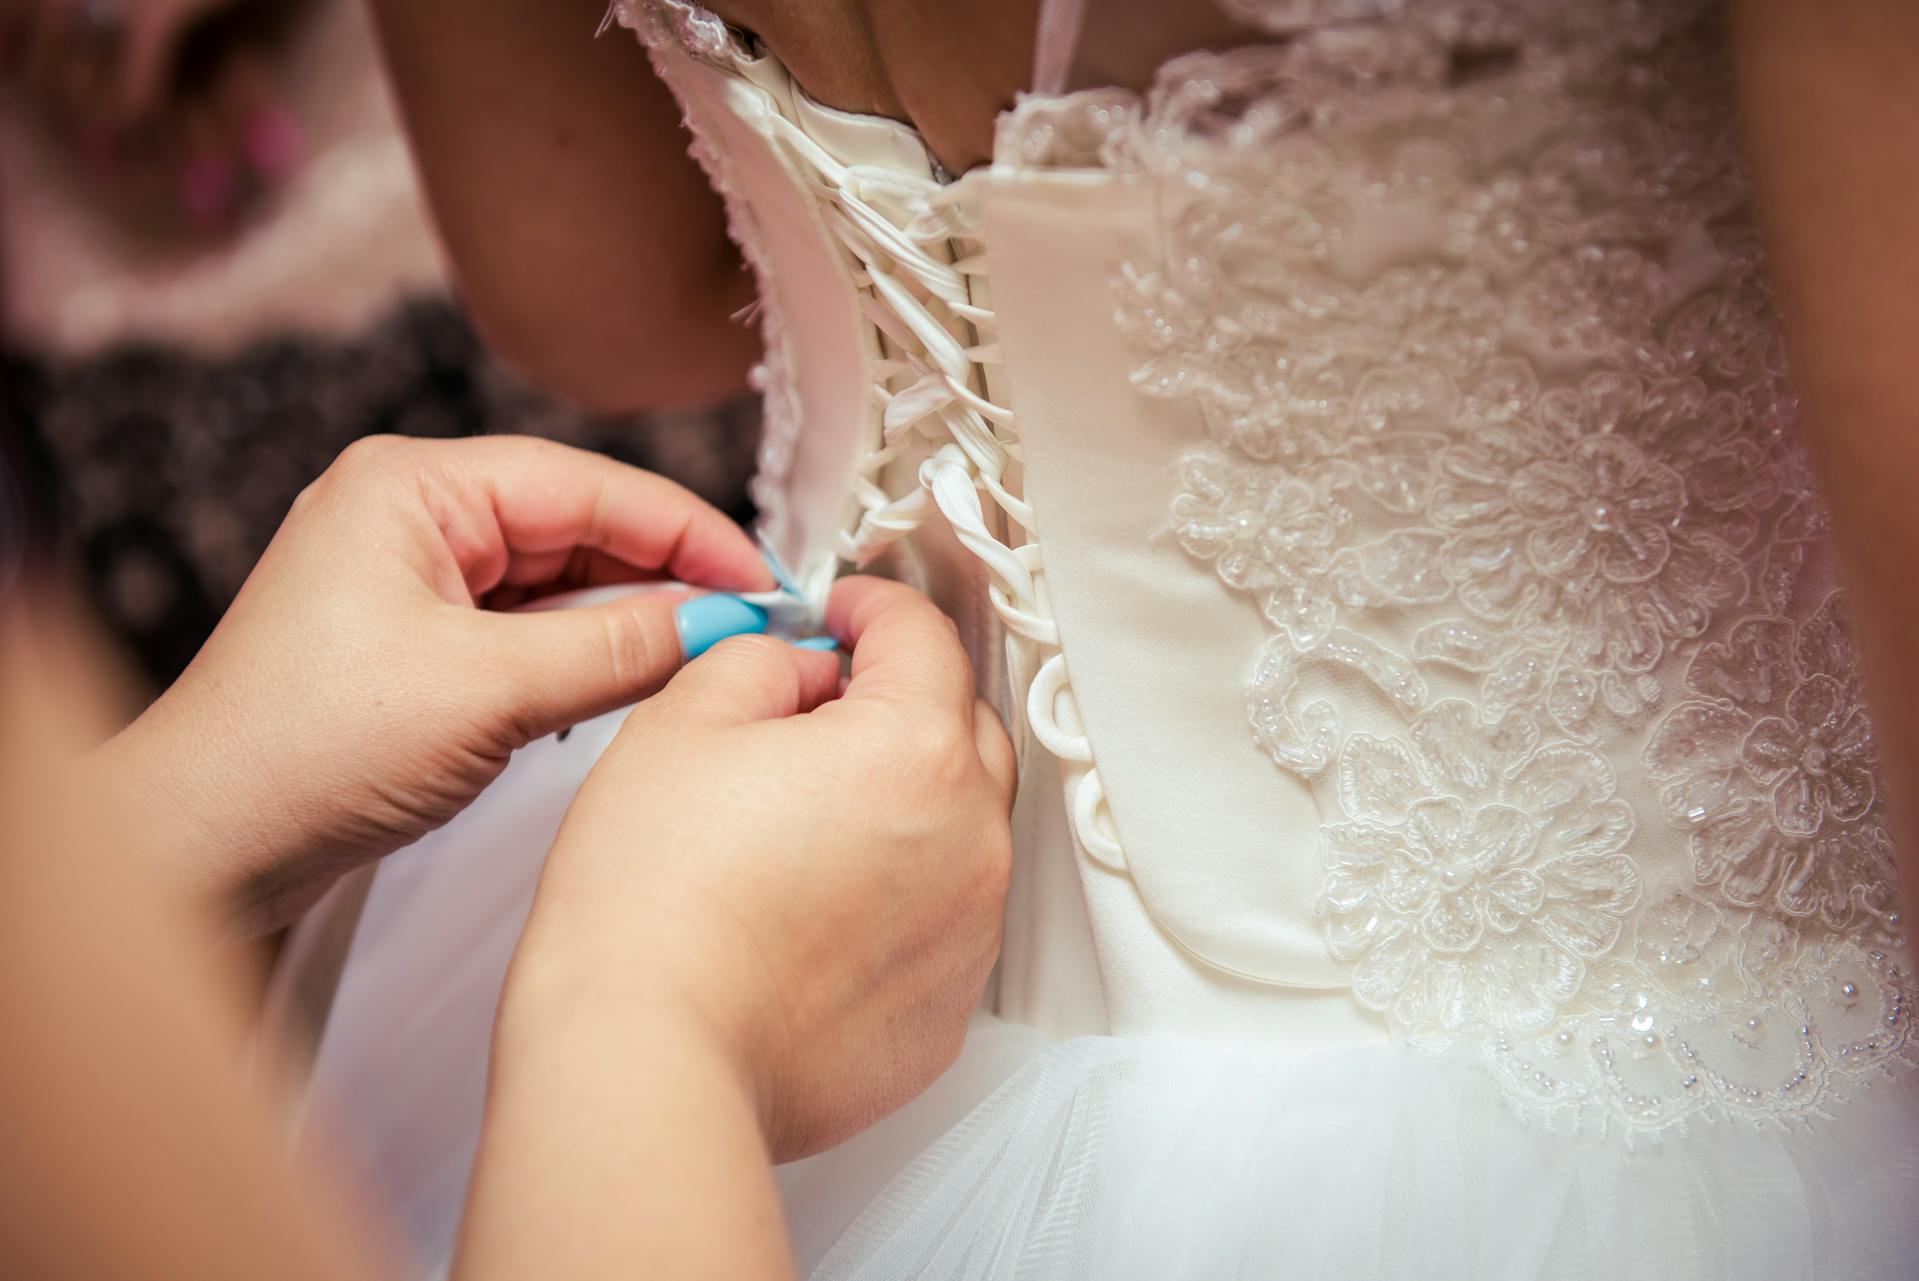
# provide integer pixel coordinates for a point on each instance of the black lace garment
(161, 476)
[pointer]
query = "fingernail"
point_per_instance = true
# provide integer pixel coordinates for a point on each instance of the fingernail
(817, 642)
(705, 621)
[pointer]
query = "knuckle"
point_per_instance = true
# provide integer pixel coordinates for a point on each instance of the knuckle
(748, 651)
(949, 629)
(995, 747)
(311, 494)
(361, 464)
(740, 663)
(993, 866)
(518, 449)
(950, 1038)
(939, 774)
(945, 749)
(949, 647)
(631, 652)
(369, 452)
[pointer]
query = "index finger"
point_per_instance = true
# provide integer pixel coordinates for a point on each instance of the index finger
(514, 504)
(903, 647)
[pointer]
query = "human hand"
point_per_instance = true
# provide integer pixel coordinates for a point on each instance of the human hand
(810, 885)
(354, 698)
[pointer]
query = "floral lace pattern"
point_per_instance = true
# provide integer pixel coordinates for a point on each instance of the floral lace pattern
(1770, 765)
(1479, 874)
(1468, 299)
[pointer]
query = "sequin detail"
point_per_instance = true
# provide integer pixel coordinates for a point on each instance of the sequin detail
(1468, 300)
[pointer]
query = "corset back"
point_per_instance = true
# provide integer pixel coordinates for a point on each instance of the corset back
(1365, 468)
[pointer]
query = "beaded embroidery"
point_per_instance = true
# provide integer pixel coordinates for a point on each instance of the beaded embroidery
(1467, 296)
(1469, 301)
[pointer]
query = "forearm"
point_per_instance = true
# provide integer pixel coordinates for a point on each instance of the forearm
(620, 1147)
(139, 1140)
(587, 244)
(1831, 98)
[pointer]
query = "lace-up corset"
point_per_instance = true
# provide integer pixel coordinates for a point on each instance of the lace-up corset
(1455, 649)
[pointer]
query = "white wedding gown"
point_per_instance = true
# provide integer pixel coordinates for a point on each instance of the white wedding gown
(1364, 470)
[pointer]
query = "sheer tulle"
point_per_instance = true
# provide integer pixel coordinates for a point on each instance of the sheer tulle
(1126, 1159)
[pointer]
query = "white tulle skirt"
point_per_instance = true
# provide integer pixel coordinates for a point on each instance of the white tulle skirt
(1111, 1158)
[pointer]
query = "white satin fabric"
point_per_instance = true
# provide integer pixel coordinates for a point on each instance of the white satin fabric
(1364, 473)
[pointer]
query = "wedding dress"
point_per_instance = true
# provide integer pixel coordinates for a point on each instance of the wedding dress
(1364, 469)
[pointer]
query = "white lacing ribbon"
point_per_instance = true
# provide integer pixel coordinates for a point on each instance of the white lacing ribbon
(915, 298)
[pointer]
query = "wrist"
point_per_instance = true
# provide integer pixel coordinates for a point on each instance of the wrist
(570, 1000)
(548, 1037)
(619, 1140)
(196, 811)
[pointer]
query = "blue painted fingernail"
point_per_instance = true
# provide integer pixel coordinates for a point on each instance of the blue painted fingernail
(705, 621)
(817, 642)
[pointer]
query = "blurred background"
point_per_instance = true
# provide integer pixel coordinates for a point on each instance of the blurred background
(215, 272)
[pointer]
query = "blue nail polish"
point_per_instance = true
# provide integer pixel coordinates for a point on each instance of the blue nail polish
(705, 621)
(817, 642)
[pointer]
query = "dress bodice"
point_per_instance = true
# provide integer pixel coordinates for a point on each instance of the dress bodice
(1365, 467)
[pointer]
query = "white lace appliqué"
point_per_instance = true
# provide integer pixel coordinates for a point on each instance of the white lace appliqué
(1770, 765)
(1469, 301)
(1479, 873)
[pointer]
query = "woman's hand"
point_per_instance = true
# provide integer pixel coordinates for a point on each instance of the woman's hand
(764, 924)
(817, 881)
(354, 697)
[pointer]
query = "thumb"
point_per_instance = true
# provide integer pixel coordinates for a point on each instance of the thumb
(558, 667)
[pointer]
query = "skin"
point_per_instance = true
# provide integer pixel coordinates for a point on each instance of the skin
(729, 961)
(1830, 119)
(125, 1096)
(698, 1010)
(721, 939)
(604, 306)
(359, 626)
(1831, 101)
(613, 308)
